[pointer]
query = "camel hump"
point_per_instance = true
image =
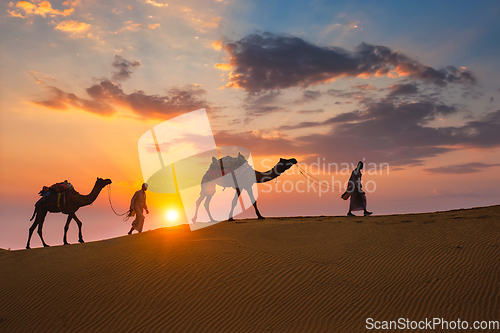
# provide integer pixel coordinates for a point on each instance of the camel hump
(57, 200)
(233, 162)
(224, 165)
(56, 195)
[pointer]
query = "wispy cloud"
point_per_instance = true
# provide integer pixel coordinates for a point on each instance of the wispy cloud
(156, 4)
(402, 89)
(365, 86)
(124, 68)
(343, 28)
(460, 169)
(135, 26)
(63, 101)
(261, 104)
(259, 143)
(311, 111)
(106, 97)
(310, 95)
(202, 21)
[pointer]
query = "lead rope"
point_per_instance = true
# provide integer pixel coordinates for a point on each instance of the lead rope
(319, 182)
(127, 213)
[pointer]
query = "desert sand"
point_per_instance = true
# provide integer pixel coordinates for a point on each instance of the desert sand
(293, 274)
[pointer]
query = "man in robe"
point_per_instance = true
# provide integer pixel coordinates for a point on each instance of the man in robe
(356, 194)
(137, 204)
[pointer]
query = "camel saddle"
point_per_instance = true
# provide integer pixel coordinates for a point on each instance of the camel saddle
(57, 187)
(57, 194)
(228, 164)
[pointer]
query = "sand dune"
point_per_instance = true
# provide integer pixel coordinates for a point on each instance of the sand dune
(299, 274)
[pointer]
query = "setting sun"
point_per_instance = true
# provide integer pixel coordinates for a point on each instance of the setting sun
(172, 215)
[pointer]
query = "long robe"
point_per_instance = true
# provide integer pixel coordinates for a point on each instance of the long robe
(138, 203)
(358, 197)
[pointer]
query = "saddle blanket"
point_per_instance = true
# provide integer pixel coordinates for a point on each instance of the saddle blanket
(57, 194)
(57, 188)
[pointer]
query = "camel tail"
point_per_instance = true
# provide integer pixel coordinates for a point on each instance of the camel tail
(34, 213)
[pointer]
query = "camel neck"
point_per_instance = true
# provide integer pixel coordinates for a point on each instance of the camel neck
(90, 198)
(263, 177)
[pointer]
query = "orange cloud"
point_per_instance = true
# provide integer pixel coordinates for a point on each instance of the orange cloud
(403, 70)
(14, 14)
(43, 8)
(223, 67)
(138, 26)
(217, 45)
(236, 80)
(73, 26)
(205, 25)
(133, 26)
(156, 4)
(364, 75)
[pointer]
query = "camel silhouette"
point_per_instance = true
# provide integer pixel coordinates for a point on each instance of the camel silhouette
(244, 181)
(72, 205)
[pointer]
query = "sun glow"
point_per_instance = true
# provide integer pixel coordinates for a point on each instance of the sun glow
(171, 215)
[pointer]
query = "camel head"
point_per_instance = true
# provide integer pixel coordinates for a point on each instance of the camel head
(284, 165)
(102, 182)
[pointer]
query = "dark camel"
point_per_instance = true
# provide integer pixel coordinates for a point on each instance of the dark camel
(72, 205)
(245, 182)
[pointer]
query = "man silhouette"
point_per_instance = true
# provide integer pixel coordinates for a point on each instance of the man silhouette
(137, 204)
(356, 194)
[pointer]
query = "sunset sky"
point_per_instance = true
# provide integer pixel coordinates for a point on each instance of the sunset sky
(414, 85)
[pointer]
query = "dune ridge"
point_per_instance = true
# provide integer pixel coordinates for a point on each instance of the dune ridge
(293, 274)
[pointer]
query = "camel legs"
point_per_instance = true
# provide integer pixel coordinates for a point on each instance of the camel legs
(32, 228)
(79, 223)
(66, 227)
(198, 202)
(250, 194)
(207, 207)
(39, 219)
(72, 216)
(233, 204)
(207, 191)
